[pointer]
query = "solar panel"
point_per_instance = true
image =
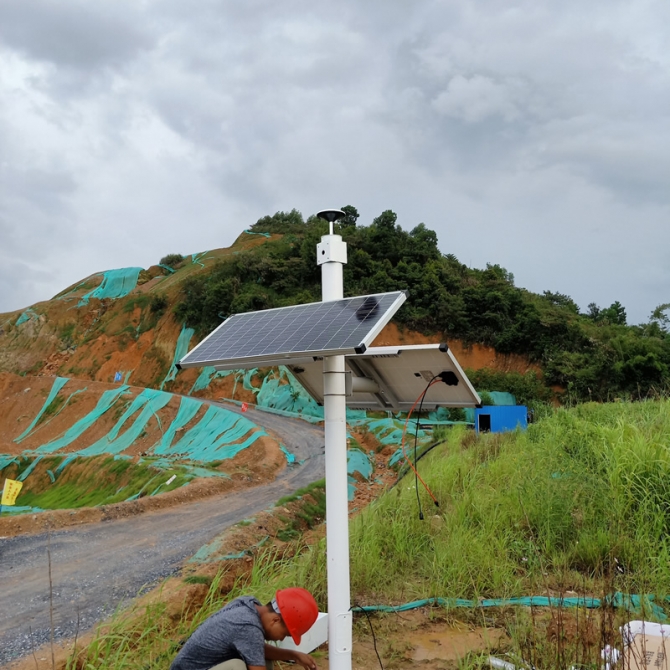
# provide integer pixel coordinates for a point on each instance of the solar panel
(393, 377)
(345, 326)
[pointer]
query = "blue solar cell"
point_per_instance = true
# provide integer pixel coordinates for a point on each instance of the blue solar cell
(344, 326)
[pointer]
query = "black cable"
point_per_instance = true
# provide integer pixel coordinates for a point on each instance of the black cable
(416, 474)
(402, 473)
(374, 639)
(416, 440)
(416, 460)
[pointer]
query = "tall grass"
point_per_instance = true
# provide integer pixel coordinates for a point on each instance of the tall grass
(91, 481)
(575, 492)
(581, 497)
(147, 637)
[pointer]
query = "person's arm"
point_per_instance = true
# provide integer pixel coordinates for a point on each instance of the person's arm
(273, 653)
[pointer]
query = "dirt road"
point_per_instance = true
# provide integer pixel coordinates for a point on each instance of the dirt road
(98, 566)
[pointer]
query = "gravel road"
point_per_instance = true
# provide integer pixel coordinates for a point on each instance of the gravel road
(99, 566)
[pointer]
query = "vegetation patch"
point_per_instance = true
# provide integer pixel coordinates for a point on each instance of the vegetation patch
(309, 513)
(172, 260)
(90, 482)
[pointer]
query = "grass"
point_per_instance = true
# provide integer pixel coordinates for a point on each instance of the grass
(91, 482)
(54, 407)
(311, 512)
(147, 633)
(198, 579)
(579, 502)
(568, 497)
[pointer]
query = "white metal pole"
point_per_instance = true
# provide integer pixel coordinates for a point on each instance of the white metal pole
(331, 255)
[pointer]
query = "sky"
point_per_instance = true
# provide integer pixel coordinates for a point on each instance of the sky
(533, 134)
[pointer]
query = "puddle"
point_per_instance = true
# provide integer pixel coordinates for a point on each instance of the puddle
(452, 644)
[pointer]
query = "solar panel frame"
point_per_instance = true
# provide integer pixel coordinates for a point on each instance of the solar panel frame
(274, 336)
(399, 371)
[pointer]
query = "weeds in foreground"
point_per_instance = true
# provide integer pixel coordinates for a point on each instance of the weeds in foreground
(148, 636)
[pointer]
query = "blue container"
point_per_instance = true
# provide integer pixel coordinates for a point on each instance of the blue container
(500, 418)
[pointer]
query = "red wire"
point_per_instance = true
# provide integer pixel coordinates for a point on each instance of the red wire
(402, 443)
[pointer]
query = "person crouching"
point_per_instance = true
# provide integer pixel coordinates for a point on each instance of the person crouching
(234, 638)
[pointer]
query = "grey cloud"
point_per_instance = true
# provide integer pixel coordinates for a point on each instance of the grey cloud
(71, 33)
(42, 189)
(515, 130)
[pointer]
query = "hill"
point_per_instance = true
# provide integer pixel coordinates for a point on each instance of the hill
(137, 322)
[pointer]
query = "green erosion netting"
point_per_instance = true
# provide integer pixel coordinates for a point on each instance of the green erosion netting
(166, 267)
(180, 351)
(21, 509)
(24, 475)
(147, 403)
(58, 384)
(7, 460)
(207, 375)
(84, 284)
(106, 401)
(246, 381)
(388, 430)
(629, 602)
(196, 258)
(192, 470)
(115, 284)
(26, 316)
(188, 408)
(290, 458)
(281, 390)
(64, 463)
(216, 436)
(358, 462)
(251, 232)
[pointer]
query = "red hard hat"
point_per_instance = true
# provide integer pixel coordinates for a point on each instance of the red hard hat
(298, 609)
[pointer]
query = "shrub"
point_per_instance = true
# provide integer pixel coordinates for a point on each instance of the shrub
(172, 260)
(158, 303)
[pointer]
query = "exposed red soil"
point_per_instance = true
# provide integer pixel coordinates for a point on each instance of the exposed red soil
(474, 356)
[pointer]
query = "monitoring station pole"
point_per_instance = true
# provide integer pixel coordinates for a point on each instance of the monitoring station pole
(331, 256)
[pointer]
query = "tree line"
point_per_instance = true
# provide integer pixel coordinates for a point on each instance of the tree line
(594, 355)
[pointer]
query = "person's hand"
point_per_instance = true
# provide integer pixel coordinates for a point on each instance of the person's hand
(305, 660)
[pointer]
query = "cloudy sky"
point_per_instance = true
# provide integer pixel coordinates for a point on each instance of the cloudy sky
(530, 133)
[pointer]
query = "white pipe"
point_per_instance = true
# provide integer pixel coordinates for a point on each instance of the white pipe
(364, 385)
(332, 281)
(340, 639)
(337, 515)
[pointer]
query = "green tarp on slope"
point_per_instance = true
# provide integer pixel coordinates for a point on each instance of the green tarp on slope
(147, 404)
(106, 401)
(26, 316)
(213, 436)
(180, 351)
(629, 602)
(115, 284)
(57, 386)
